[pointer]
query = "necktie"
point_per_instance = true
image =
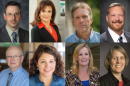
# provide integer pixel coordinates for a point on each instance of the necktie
(120, 39)
(14, 35)
(10, 75)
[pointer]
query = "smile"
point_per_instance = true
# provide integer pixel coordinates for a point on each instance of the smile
(83, 60)
(118, 66)
(47, 70)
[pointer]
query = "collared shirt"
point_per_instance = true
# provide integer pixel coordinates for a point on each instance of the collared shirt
(20, 77)
(115, 36)
(94, 37)
(35, 81)
(10, 33)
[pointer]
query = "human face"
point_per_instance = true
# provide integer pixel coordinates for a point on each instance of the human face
(46, 64)
(14, 62)
(45, 14)
(81, 20)
(83, 57)
(116, 18)
(117, 63)
(12, 17)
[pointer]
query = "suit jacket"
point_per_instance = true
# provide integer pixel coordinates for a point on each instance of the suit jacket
(106, 37)
(23, 35)
(110, 80)
(42, 35)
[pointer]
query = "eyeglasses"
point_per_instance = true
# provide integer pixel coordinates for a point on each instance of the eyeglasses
(10, 15)
(9, 57)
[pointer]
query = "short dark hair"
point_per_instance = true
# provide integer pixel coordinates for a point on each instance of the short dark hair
(12, 3)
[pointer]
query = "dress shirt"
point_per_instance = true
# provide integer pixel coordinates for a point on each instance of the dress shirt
(35, 81)
(10, 33)
(20, 77)
(115, 36)
(94, 37)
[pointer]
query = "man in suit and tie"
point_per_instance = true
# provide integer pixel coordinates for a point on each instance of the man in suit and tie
(116, 19)
(11, 32)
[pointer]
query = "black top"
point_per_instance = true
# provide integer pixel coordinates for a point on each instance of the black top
(42, 35)
(110, 80)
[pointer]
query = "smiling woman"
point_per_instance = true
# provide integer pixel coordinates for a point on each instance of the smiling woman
(44, 29)
(115, 62)
(47, 67)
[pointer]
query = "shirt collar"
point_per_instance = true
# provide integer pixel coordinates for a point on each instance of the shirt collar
(10, 31)
(17, 72)
(81, 40)
(55, 78)
(115, 36)
(41, 25)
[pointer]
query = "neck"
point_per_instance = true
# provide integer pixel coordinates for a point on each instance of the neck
(46, 79)
(13, 29)
(84, 35)
(83, 69)
(46, 23)
(118, 76)
(14, 69)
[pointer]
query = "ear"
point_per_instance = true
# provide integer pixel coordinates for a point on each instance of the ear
(91, 20)
(4, 16)
(73, 22)
(36, 63)
(21, 15)
(107, 18)
(22, 58)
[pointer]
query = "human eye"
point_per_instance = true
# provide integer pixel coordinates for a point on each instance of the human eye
(77, 18)
(86, 53)
(114, 58)
(122, 57)
(9, 14)
(85, 17)
(80, 54)
(43, 62)
(51, 61)
(49, 11)
(120, 15)
(15, 56)
(9, 56)
(43, 10)
(113, 15)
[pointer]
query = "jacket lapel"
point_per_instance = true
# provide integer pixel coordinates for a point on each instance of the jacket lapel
(108, 38)
(21, 35)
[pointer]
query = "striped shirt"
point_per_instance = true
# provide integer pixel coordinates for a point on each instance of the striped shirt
(20, 77)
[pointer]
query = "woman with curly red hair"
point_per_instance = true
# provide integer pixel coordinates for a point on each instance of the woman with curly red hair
(47, 67)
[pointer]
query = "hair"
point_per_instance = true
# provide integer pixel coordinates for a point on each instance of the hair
(59, 69)
(81, 5)
(113, 5)
(16, 47)
(75, 68)
(13, 3)
(110, 55)
(41, 6)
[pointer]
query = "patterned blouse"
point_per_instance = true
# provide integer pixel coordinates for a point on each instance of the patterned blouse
(73, 80)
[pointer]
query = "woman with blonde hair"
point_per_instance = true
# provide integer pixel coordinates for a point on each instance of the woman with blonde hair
(82, 72)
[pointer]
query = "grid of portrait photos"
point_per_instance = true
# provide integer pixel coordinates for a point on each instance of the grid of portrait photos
(64, 43)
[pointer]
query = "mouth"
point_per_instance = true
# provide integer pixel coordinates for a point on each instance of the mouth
(46, 17)
(13, 22)
(83, 60)
(118, 66)
(47, 70)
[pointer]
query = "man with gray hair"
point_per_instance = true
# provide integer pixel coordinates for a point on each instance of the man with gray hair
(82, 19)
(116, 19)
(15, 75)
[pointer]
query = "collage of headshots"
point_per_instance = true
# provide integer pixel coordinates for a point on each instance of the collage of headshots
(64, 42)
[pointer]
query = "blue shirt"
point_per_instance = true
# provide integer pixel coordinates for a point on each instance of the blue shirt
(35, 81)
(94, 37)
(20, 77)
(85, 83)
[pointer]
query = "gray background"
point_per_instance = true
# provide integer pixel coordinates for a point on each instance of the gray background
(104, 48)
(104, 4)
(24, 22)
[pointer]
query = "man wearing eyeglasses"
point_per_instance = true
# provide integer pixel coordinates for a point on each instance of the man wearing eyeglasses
(11, 32)
(15, 75)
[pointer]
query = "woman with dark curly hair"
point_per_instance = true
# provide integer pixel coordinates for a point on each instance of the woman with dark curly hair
(46, 67)
(44, 29)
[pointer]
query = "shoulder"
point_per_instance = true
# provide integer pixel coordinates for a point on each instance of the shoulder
(103, 35)
(25, 73)
(127, 33)
(96, 33)
(70, 38)
(59, 81)
(125, 79)
(33, 80)
(35, 28)
(104, 78)
(25, 31)
(5, 71)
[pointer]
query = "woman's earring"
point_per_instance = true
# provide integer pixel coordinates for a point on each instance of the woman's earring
(37, 68)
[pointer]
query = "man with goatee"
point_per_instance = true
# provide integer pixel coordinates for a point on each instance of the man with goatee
(116, 19)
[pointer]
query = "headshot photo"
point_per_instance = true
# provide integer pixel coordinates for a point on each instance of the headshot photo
(82, 21)
(13, 15)
(114, 19)
(47, 65)
(47, 22)
(114, 64)
(14, 64)
(82, 64)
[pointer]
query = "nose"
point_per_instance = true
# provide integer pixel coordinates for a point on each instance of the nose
(81, 20)
(117, 17)
(47, 65)
(13, 16)
(118, 60)
(12, 58)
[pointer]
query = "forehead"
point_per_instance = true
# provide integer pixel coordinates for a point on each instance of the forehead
(12, 9)
(117, 52)
(116, 9)
(80, 12)
(46, 56)
(13, 50)
(84, 49)
(47, 8)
